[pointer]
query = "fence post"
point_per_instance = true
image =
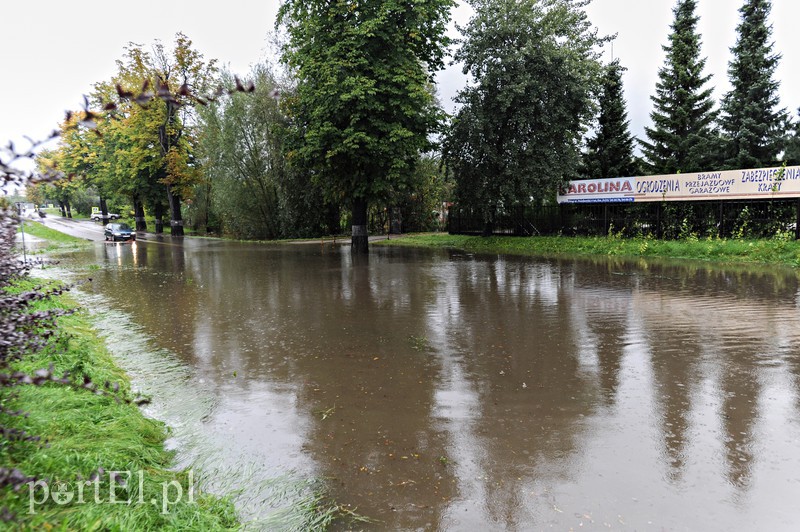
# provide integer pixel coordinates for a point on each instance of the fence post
(797, 222)
(450, 220)
(659, 229)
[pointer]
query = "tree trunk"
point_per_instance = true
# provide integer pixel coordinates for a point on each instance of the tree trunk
(167, 141)
(138, 215)
(488, 222)
(207, 210)
(158, 212)
(69, 209)
(63, 209)
(176, 221)
(360, 239)
(395, 221)
(333, 218)
(103, 211)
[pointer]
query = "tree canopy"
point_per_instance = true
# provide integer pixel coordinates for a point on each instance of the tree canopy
(683, 114)
(534, 66)
(143, 147)
(753, 124)
(251, 190)
(363, 108)
(610, 151)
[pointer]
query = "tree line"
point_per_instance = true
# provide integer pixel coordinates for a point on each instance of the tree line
(349, 132)
(506, 115)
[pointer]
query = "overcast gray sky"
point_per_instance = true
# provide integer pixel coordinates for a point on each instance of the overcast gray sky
(54, 50)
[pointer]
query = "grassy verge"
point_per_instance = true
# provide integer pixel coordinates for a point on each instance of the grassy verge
(85, 432)
(88, 433)
(781, 250)
(56, 240)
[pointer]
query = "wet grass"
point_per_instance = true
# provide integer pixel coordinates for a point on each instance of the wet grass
(781, 250)
(310, 508)
(88, 433)
(288, 502)
(56, 240)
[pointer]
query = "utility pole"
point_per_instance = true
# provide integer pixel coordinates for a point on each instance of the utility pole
(22, 228)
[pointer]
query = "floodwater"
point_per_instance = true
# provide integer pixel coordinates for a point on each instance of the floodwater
(436, 390)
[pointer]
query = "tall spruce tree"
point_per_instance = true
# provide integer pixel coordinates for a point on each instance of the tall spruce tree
(792, 154)
(610, 152)
(683, 117)
(752, 123)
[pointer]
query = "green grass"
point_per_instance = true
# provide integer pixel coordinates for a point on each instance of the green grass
(56, 240)
(311, 509)
(85, 431)
(779, 250)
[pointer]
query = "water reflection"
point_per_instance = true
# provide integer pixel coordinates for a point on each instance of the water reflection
(438, 390)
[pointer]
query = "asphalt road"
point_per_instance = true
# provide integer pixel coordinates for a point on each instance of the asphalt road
(85, 229)
(93, 231)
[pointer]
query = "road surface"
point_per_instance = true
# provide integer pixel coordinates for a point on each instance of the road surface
(85, 229)
(93, 231)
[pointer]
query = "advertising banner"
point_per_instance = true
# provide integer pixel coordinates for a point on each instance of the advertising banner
(759, 183)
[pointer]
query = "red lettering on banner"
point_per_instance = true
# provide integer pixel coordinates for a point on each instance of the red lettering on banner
(623, 185)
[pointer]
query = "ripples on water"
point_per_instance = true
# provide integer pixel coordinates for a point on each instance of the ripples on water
(437, 390)
(181, 400)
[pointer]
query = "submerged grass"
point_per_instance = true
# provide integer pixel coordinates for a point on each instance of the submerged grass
(309, 507)
(779, 250)
(87, 434)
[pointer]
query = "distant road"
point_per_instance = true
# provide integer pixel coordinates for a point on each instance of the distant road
(89, 230)
(86, 229)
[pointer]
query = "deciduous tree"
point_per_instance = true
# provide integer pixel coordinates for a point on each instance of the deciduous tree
(533, 65)
(48, 162)
(250, 188)
(363, 110)
(144, 147)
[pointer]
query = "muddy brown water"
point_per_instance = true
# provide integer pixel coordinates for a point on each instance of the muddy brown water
(437, 390)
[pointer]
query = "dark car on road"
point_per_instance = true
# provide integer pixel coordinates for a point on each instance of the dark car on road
(115, 232)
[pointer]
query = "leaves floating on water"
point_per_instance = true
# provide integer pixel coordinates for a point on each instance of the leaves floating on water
(325, 414)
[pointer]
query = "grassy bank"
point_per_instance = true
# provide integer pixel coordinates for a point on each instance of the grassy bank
(55, 240)
(89, 433)
(783, 250)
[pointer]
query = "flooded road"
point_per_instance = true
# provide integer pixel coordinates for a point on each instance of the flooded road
(438, 390)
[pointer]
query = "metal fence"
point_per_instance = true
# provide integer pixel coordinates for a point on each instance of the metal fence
(753, 219)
